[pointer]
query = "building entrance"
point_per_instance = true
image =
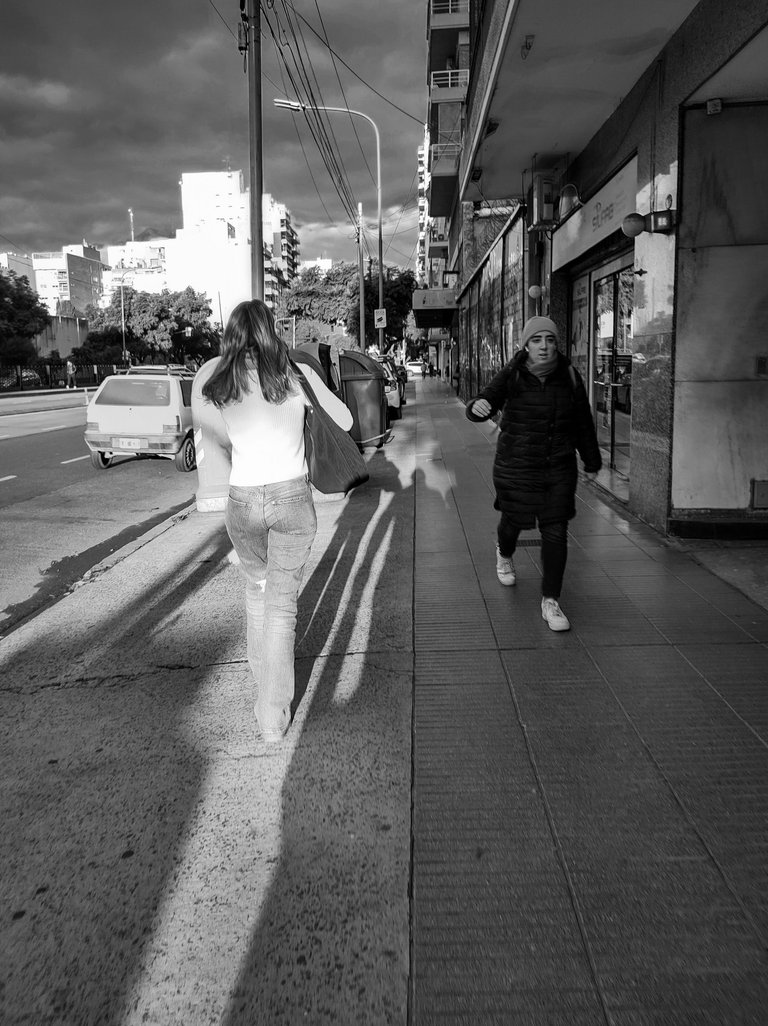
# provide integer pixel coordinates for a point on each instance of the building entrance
(612, 299)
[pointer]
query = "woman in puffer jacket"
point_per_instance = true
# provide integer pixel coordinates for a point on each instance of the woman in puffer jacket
(546, 419)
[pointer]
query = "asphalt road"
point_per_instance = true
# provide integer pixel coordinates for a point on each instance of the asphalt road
(59, 516)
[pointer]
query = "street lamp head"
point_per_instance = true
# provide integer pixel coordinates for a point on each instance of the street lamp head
(289, 104)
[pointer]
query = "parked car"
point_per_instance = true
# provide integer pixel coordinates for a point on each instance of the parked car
(9, 378)
(414, 368)
(391, 389)
(147, 411)
(400, 373)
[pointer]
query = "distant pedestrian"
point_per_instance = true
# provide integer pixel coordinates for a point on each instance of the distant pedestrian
(270, 514)
(545, 421)
(431, 369)
(71, 383)
(423, 369)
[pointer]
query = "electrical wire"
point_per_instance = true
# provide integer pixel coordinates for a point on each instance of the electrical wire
(343, 94)
(419, 121)
(302, 87)
(306, 86)
(226, 25)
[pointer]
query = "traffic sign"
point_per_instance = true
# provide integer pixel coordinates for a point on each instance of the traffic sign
(379, 318)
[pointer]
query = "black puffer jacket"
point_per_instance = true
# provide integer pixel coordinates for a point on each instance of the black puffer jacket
(543, 425)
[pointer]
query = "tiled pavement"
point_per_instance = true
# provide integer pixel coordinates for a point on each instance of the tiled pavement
(590, 810)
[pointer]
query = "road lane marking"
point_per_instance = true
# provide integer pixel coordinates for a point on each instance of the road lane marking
(11, 477)
(76, 459)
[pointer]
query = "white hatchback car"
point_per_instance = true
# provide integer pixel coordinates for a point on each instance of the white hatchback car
(147, 411)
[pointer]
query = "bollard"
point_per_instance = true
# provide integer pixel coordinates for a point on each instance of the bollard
(212, 448)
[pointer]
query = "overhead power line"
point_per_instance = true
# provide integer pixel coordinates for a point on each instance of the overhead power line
(419, 121)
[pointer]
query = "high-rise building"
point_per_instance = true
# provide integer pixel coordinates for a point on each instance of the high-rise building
(212, 252)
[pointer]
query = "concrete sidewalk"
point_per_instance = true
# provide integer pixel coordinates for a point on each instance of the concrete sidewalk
(473, 820)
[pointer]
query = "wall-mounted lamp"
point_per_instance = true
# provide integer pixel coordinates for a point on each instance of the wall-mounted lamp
(476, 174)
(537, 293)
(659, 221)
(568, 202)
(527, 46)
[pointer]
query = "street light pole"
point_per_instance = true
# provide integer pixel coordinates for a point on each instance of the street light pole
(361, 273)
(296, 105)
(122, 317)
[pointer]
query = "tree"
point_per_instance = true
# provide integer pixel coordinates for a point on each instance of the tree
(334, 298)
(322, 297)
(173, 326)
(22, 316)
(399, 286)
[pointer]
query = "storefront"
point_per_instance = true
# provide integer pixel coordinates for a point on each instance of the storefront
(596, 261)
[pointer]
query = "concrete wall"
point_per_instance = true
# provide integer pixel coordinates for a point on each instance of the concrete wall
(721, 398)
(63, 334)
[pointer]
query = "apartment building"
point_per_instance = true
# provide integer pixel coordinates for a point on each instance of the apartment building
(20, 264)
(212, 252)
(70, 280)
(604, 164)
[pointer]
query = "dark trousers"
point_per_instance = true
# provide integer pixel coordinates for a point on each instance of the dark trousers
(554, 551)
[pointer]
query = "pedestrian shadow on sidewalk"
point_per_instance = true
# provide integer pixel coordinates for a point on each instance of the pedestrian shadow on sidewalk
(100, 780)
(331, 941)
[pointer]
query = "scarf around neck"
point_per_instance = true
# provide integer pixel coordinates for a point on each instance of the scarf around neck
(541, 370)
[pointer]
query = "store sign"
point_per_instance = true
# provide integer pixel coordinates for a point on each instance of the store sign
(598, 218)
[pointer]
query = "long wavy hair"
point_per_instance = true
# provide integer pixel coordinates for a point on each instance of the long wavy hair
(250, 344)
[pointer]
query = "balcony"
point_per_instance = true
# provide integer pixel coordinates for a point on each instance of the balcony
(437, 246)
(434, 308)
(448, 86)
(446, 18)
(444, 173)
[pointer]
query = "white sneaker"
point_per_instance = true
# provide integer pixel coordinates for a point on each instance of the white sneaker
(505, 569)
(553, 614)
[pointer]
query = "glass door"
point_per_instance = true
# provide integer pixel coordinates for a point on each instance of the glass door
(612, 297)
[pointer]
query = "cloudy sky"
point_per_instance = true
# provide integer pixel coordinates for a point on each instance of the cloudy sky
(104, 105)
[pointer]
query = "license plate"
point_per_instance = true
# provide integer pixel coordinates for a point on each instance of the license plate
(126, 443)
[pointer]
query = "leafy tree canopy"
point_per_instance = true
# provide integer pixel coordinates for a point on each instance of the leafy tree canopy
(22, 316)
(171, 325)
(334, 298)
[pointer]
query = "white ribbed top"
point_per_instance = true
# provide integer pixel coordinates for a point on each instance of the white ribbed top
(268, 438)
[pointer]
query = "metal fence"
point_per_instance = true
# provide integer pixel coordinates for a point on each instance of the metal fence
(50, 374)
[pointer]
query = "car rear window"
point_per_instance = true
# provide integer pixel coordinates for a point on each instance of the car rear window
(135, 392)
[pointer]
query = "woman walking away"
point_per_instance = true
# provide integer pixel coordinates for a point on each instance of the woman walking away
(270, 514)
(545, 421)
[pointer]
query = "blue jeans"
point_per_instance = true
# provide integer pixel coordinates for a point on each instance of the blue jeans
(272, 528)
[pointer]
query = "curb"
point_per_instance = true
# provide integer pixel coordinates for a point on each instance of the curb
(127, 550)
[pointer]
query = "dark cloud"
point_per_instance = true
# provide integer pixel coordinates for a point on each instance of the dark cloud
(102, 107)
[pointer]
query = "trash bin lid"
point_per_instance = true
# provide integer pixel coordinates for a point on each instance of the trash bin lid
(354, 364)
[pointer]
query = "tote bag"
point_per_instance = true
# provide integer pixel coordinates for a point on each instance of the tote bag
(334, 462)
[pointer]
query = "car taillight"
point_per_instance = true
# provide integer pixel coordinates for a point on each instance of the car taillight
(91, 425)
(173, 427)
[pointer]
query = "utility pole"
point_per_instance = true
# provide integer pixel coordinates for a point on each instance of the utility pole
(252, 25)
(361, 271)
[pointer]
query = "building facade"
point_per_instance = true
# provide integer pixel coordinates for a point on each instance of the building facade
(212, 252)
(608, 173)
(70, 280)
(20, 264)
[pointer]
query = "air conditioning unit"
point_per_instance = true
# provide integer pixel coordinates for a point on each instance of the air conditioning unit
(542, 202)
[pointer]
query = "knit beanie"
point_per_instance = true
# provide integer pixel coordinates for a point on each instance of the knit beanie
(536, 324)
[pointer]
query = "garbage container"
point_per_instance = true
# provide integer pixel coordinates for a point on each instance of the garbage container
(362, 389)
(319, 357)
